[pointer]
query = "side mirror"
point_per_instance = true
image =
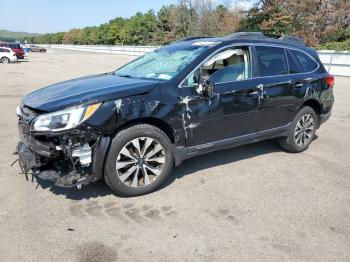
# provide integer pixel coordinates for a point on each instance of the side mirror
(206, 86)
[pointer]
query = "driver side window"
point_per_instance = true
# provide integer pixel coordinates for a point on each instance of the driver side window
(227, 66)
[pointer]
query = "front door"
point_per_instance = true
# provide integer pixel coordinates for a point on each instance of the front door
(232, 111)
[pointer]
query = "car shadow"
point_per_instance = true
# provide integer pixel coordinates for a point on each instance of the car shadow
(222, 157)
(188, 167)
(98, 189)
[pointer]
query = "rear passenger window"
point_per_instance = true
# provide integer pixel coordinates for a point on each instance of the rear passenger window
(305, 62)
(293, 64)
(271, 61)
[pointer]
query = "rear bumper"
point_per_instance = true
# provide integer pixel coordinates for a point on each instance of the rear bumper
(20, 55)
(323, 118)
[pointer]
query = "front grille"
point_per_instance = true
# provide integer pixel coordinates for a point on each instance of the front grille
(42, 147)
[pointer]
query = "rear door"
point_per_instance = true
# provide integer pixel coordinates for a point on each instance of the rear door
(277, 102)
(302, 69)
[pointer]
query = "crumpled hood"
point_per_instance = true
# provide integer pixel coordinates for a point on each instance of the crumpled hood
(96, 88)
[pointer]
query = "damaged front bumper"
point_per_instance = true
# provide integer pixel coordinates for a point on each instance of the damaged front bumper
(72, 158)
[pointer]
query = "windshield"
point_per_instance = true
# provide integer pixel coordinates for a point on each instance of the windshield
(164, 63)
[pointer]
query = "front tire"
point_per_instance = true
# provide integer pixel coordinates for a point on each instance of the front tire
(301, 132)
(5, 60)
(139, 160)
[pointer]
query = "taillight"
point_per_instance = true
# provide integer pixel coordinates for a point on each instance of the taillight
(330, 81)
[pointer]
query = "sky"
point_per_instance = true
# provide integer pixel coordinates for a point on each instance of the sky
(46, 16)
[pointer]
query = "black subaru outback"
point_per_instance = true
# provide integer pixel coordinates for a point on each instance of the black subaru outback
(131, 126)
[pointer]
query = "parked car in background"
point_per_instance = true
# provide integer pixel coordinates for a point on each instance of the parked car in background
(7, 55)
(34, 48)
(197, 95)
(15, 47)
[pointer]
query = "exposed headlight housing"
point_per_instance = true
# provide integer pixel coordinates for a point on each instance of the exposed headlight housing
(64, 119)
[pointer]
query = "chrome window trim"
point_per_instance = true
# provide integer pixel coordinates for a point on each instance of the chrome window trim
(249, 45)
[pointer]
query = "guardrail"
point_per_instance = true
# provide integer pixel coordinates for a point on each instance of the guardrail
(336, 62)
(109, 49)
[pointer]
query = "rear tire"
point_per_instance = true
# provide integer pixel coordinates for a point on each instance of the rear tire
(301, 132)
(139, 160)
(5, 60)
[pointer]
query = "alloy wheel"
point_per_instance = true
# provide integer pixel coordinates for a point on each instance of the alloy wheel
(140, 162)
(303, 132)
(5, 60)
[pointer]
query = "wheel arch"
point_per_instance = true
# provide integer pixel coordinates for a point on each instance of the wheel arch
(161, 124)
(314, 104)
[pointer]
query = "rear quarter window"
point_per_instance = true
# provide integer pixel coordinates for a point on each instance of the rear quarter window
(294, 68)
(305, 63)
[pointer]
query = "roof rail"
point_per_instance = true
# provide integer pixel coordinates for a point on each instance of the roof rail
(246, 35)
(189, 38)
(259, 35)
(292, 39)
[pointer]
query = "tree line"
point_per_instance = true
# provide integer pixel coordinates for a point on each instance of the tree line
(317, 21)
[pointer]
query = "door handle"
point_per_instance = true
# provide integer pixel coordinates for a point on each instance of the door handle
(308, 80)
(298, 84)
(301, 83)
